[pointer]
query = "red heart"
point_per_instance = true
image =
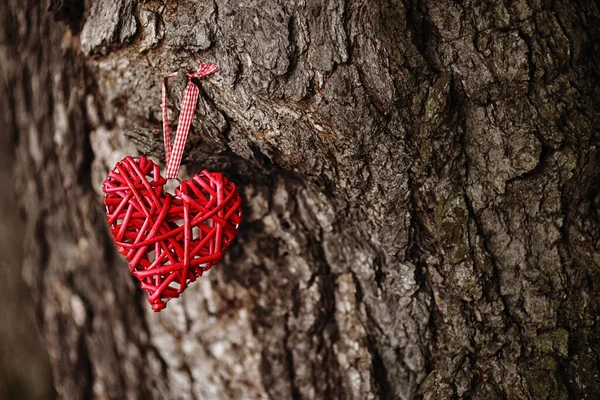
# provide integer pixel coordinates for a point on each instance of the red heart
(169, 241)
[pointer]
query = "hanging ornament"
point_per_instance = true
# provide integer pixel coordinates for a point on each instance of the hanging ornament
(170, 240)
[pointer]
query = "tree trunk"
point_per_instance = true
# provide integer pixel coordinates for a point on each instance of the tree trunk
(421, 182)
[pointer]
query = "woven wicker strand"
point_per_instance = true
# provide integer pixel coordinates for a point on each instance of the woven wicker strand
(169, 241)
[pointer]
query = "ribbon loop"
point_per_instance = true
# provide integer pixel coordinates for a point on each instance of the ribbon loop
(174, 154)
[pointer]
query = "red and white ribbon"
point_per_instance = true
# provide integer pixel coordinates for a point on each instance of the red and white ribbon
(188, 107)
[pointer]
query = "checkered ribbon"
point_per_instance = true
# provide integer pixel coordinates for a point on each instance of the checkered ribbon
(188, 107)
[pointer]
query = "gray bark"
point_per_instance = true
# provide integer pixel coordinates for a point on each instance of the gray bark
(420, 182)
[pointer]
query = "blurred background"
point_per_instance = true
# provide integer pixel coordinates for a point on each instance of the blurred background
(24, 366)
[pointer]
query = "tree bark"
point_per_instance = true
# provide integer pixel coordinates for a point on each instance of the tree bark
(420, 182)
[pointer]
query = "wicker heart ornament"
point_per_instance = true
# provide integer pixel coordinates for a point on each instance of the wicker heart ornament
(169, 241)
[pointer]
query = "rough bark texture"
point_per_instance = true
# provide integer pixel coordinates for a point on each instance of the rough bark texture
(421, 183)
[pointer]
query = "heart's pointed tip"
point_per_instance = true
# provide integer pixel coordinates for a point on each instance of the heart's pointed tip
(157, 307)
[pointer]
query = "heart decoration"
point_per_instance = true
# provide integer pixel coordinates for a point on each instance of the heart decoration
(169, 241)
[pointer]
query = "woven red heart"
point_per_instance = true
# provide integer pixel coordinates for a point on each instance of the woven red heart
(169, 241)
